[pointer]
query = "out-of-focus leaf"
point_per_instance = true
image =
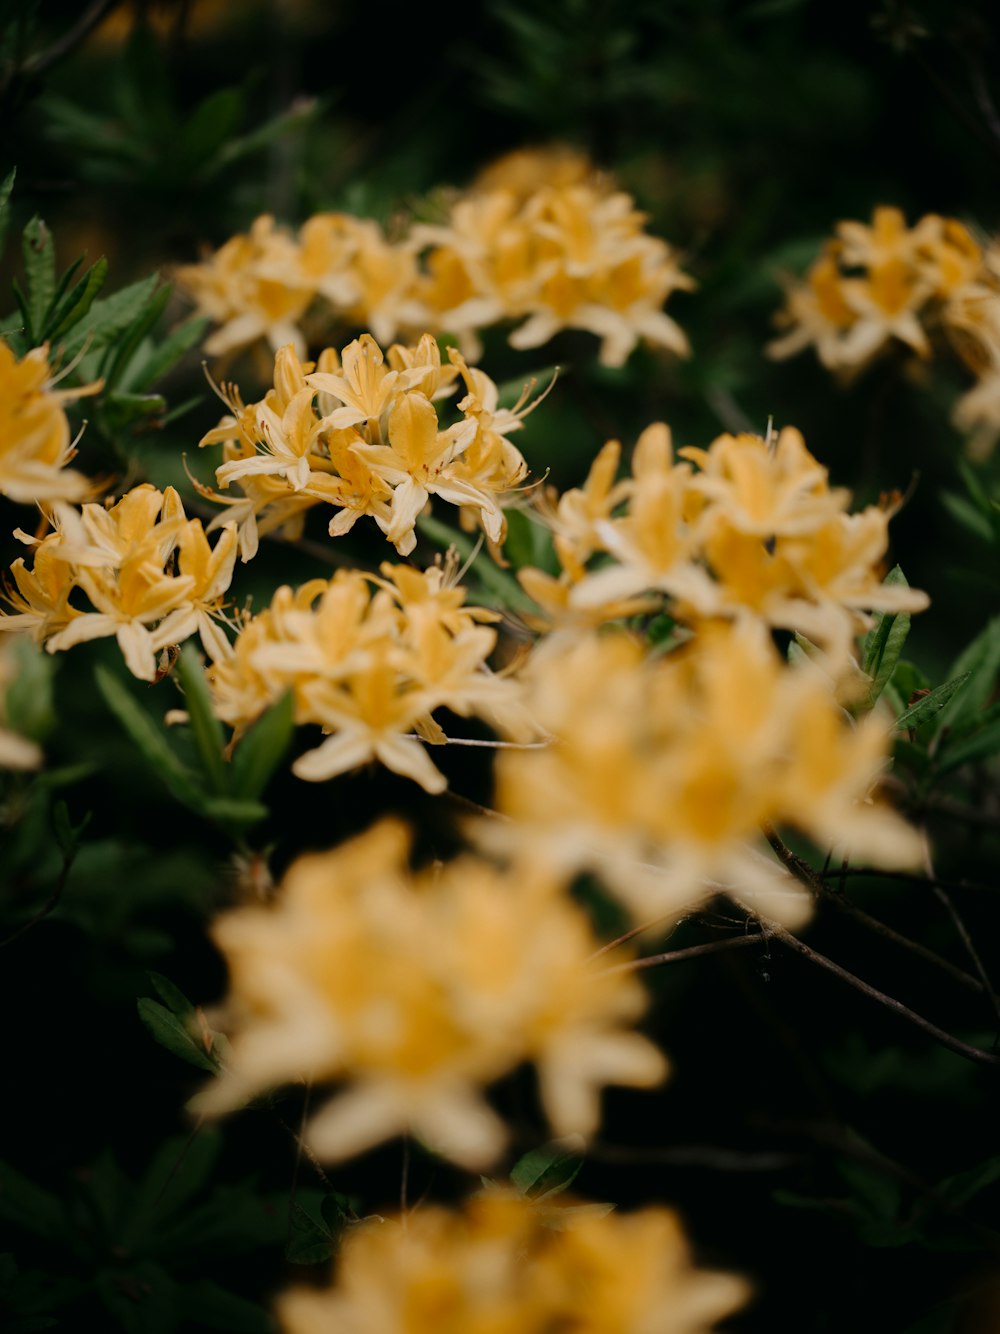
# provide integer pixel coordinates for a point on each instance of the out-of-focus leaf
(75, 303)
(180, 1168)
(980, 660)
(209, 738)
(151, 742)
(149, 368)
(262, 749)
(964, 1186)
(233, 810)
(28, 1206)
(172, 1033)
(548, 1170)
(6, 186)
(109, 317)
(506, 590)
(40, 271)
(122, 350)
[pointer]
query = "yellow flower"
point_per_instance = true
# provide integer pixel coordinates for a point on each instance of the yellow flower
(418, 990)
(507, 1265)
(661, 770)
(35, 444)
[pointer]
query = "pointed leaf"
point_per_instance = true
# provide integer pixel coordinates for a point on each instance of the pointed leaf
(167, 354)
(931, 703)
(110, 316)
(172, 1033)
(40, 271)
(548, 1170)
(262, 749)
(209, 738)
(30, 1207)
(72, 307)
(5, 192)
(150, 741)
(981, 660)
(884, 643)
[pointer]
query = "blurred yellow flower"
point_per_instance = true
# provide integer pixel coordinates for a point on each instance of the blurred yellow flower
(416, 991)
(506, 1265)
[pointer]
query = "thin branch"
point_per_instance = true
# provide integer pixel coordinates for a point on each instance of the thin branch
(50, 904)
(944, 898)
(636, 931)
(880, 928)
(691, 952)
(913, 877)
(954, 1044)
(814, 880)
(69, 41)
(715, 1158)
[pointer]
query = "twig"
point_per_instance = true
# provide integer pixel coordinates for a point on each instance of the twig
(914, 877)
(944, 898)
(635, 931)
(880, 928)
(715, 1158)
(691, 952)
(69, 41)
(954, 1044)
(51, 903)
(814, 880)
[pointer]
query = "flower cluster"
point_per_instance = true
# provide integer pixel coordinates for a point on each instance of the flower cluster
(122, 558)
(884, 284)
(364, 436)
(542, 238)
(35, 443)
(511, 1266)
(418, 989)
(369, 666)
(662, 770)
(746, 526)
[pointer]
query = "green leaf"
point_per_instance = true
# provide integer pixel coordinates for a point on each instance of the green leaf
(317, 1220)
(549, 1170)
(167, 354)
(30, 1207)
(67, 834)
(209, 738)
(980, 745)
(180, 1168)
(981, 661)
(298, 115)
(929, 705)
(28, 700)
(40, 271)
(209, 1304)
(72, 307)
(262, 748)
(119, 410)
(964, 1186)
(215, 120)
(150, 740)
(505, 588)
(6, 187)
(170, 1032)
(884, 642)
(233, 810)
(967, 516)
(109, 317)
(128, 341)
(171, 995)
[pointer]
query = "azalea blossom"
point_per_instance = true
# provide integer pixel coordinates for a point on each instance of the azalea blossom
(516, 1266)
(416, 991)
